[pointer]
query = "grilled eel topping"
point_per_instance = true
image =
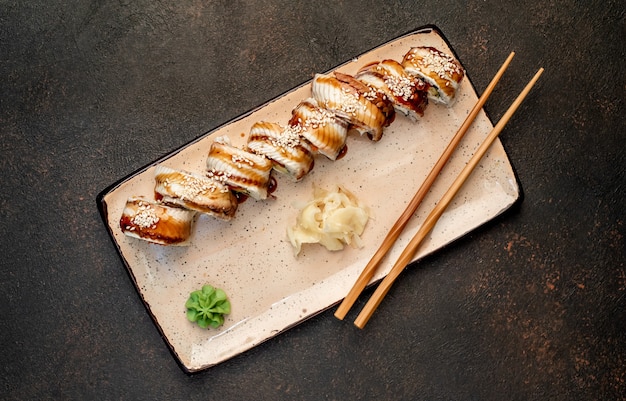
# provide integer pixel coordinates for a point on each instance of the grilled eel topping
(442, 71)
(194, 192)
(289, 153)
(409, 94)
(240, 170)
(364, 109)
(325, 132)
(155, 222)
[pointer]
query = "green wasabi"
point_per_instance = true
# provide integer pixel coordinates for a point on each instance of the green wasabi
(207, 307)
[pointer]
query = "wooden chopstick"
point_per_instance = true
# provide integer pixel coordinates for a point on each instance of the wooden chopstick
(436, 213)
(398, 227)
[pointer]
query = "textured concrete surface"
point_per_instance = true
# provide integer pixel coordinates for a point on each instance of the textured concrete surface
(531, 306)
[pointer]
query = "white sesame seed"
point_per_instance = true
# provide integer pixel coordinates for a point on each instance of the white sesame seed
(239, 160)
(146, 216)
(440, 63)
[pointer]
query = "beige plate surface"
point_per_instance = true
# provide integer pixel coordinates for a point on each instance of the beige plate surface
(250, 257)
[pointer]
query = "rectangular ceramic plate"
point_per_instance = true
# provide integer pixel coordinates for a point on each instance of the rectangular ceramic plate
(250, 257)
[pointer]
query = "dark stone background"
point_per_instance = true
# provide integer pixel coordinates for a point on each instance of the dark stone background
(531, 306)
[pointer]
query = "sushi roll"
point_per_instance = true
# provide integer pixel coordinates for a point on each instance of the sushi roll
(362, 108)
(240, 170)
(289, 153)
(155, 222)
(320, 127)
(194, 192)
(440, 70)
(409, 94)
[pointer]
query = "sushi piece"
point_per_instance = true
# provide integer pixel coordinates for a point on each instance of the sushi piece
(240, 170)
(379, 99)
(320, 127)
(289, 153)
(362, 108)
(156, 222)
(194, 192)
(409, 94)
(442, 71)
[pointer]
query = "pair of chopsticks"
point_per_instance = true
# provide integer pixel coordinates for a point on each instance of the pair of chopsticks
(435, 214)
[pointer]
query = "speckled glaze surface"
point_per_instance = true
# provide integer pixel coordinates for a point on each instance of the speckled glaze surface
(250, 257)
